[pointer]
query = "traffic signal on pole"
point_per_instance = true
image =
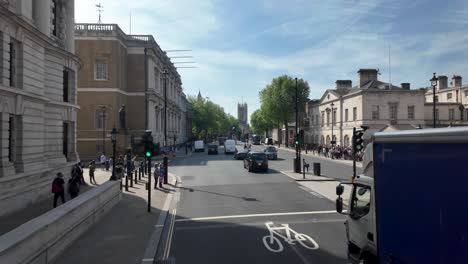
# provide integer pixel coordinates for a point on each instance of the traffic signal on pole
(358, 141)
(148, 144)
(296, 140)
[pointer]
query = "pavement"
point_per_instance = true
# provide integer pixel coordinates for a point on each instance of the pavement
(224, 214)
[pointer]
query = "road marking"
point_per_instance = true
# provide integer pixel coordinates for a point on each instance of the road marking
(254, 215)
(273, 243)
(167, 249)
(147, 260)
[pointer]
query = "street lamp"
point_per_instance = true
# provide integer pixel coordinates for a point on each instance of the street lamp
(114, 140)
(333, 123)
(103, 112)
(434, 84)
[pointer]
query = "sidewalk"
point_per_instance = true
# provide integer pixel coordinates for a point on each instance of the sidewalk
(310, 154)
(122, 235)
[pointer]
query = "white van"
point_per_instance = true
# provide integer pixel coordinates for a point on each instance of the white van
(230, 146)
(199, 146)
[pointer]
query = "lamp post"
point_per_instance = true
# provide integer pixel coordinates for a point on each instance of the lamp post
(333, 123)
(103, 112)
(434, 84)
(114, 140)
(165, 72)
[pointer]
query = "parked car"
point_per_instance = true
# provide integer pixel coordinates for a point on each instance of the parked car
(230, 146)
(241, 154)
(256, 161)
(212, 149)
(199, 146)
(271, 153)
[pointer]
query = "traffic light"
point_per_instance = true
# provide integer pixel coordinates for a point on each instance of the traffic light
(296, 140)
(358, 141)
(148, 144)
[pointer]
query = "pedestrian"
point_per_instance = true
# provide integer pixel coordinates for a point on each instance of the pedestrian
(74, 186)
(156, 175)
(162, 173)
(92, 168)
(58, 188)
(107, 163)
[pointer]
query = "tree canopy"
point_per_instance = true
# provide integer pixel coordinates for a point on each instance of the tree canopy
(260, 122)
(210, 120)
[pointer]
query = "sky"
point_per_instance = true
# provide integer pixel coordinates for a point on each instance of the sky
(240, 46)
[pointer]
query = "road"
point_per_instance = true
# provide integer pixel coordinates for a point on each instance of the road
(228, 215)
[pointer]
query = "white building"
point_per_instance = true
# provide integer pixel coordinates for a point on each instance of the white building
(37, 98)
(372, 103)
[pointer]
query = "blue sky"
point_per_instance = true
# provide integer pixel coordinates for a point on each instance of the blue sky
(239, 46)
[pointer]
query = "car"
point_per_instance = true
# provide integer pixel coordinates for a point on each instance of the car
(256, 161)
(271, 153)
(212, 149)
(230, 146)
(241, 154)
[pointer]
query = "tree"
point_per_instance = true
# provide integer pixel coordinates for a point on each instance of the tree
(260, 122)
(278, 99)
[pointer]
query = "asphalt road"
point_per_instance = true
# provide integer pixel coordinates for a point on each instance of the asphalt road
(228, 215)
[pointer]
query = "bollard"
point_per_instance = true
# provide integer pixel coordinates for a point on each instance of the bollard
(136, 176)
(126, 183)
(139, 173)
(166, 168)
(303, 168)
(130, 175)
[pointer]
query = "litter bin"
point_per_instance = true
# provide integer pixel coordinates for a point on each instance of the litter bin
(317, 168)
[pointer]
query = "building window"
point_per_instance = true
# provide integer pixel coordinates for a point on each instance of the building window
(449, 96)
(12, 62)
(100, 117)
(411, 112)
(54, 18)
(393, 112)
(65, 139)
(65, 85)
(100, 70)
(316, 119)
(11, 139)
(375, 112)
(437, 98)
(323, 118)
(451, 114)
(354, 113)
(346, 115)
(312, 119)
(466, 93)
(328, 118)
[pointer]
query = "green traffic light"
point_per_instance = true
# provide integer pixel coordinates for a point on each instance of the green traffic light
(148, 154)
(358, 147)
(297, 142)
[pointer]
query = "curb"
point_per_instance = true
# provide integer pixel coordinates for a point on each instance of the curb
(305, 180)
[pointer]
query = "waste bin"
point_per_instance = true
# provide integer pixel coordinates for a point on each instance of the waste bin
(297, 165)
(317, 168)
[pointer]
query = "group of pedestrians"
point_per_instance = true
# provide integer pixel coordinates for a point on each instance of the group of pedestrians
(334, 152)
(74, 183)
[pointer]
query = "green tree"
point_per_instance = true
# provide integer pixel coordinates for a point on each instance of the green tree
(260, 122)
(278, 99)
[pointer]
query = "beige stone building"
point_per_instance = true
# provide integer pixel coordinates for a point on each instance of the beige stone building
(37, 98)
(131, 70)
(373, 103)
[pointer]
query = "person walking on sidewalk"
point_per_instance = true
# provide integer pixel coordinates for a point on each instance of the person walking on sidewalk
(162, 172)
(92, 169)
(58, 188)
(156, 175)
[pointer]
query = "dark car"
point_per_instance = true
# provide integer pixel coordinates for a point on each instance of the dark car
(256, 161)
(212, 149)
(271, 153)
(241, 154)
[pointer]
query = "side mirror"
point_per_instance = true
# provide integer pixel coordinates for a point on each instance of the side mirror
(339, 205)
(339, 190)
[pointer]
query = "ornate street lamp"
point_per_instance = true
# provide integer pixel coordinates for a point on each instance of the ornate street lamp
(114, 140)
(434, 84)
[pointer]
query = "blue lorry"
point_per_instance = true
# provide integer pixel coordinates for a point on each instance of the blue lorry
(410, 204)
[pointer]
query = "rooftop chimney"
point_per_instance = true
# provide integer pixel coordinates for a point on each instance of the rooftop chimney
(405, 86)
(366, 75)
(456, 81)
(442, 82)
(344, 84)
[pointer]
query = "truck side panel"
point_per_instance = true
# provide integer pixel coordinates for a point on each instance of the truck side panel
(421, 202)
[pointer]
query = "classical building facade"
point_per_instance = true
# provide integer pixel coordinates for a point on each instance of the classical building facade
(125, 70)
(373, 103)
(37, 98)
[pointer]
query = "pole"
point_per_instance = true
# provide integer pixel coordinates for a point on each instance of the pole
(113, 177)
(104, 132)
(433, 106)
(166, 168)
(165, 108)
(146, 89)
(149, 185)
(297, 120)
(354, 153)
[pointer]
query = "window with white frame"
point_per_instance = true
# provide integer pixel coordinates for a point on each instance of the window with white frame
(451, 114)
(100, 69)
(316, 119)
(375, 112)
(411, 112)
(100, 118)
(354, 113)
(323, 118)
(346, 114)
(328, 118)
(334, 118)
(466, 93)
(449, 96)
(393, 111)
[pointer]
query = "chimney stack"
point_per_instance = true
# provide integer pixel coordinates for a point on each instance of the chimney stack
(456, 81)
(442, 82)
(405, 86)
(366, 75)
(344, 84)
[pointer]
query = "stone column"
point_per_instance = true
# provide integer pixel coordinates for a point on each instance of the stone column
(42, 15)
(70, 25)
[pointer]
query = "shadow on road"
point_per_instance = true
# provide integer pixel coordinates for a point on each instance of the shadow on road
(248, 199)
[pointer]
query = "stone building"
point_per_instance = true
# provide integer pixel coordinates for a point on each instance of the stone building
(37, 98)
(379, 105)
(451, 102)
(131, 70)
(242, 114)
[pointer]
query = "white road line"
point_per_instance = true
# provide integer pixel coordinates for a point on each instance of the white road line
(254, 215)
(147, 260)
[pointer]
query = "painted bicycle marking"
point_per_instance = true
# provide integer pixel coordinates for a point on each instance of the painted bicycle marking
(273, 243)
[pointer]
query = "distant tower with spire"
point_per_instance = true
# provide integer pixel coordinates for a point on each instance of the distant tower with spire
(199, 97)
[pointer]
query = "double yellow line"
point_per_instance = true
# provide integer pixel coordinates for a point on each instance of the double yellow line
(167, 249)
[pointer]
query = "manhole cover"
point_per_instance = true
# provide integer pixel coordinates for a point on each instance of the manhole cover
(187, 178)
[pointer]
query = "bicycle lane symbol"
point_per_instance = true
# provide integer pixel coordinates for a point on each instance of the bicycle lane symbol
(273, 243)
